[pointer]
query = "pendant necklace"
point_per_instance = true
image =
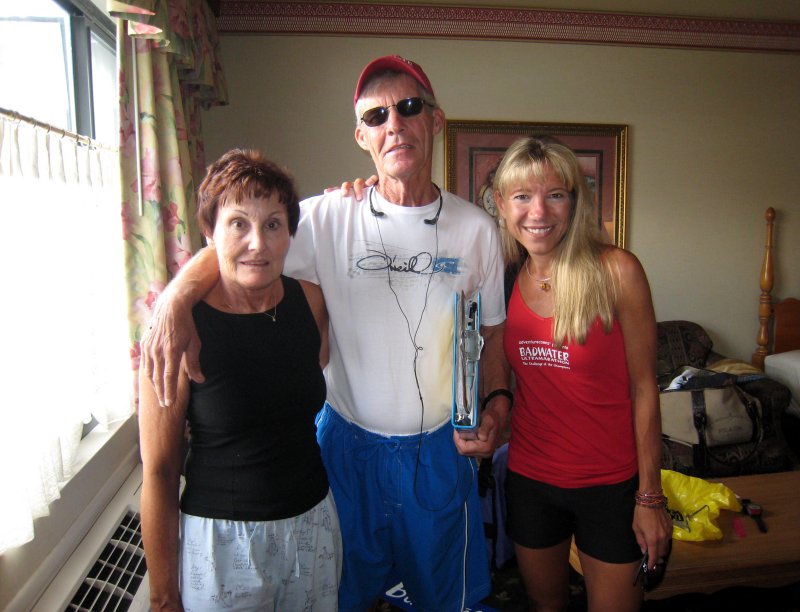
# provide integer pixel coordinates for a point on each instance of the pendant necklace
(543, 283)
(274, 314)
(271, 315)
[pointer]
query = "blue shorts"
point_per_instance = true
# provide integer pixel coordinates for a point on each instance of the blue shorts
(408, 505)
(600, 517)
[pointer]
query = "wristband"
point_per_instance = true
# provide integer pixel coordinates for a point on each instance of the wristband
(650, 499)
(494, 394)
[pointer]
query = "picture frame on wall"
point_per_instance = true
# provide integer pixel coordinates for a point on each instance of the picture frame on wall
(473, 150)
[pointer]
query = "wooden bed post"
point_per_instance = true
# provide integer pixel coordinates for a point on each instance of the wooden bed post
(765, 301)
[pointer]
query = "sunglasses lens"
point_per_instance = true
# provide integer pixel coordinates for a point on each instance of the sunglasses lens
(375, 116)
(410, 107)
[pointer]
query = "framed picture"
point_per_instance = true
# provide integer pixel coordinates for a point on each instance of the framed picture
(473, 150)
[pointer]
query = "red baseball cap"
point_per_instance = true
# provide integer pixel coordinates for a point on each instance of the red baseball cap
(395, 63)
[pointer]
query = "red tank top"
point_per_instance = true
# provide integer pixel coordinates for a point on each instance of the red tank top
(571, 425)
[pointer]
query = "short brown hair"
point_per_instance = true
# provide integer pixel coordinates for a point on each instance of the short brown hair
(242, 173)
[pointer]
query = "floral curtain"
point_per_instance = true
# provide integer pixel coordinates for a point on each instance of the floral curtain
(168, 54)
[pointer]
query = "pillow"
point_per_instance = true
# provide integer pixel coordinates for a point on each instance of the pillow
(785, 368)
(681, 343)
(735, 366)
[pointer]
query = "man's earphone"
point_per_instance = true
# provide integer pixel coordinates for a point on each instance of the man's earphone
(432, 221)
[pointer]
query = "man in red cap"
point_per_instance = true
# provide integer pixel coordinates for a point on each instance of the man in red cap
(405, 485)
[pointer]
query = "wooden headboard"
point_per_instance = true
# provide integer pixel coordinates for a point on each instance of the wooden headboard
(779, 323)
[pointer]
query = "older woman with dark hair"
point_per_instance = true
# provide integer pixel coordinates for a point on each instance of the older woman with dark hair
(256, 527)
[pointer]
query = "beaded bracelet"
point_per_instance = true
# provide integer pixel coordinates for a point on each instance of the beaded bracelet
(650, 499)
(656, 493)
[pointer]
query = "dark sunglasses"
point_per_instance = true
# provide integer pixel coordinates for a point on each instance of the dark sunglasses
(410, 107)
(651, 577)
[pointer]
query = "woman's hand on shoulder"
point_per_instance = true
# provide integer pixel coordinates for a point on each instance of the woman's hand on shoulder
(356, 188)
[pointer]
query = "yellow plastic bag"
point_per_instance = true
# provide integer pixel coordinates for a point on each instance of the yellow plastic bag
(694, 505)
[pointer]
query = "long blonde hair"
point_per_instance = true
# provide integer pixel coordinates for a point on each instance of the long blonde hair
(583, 287)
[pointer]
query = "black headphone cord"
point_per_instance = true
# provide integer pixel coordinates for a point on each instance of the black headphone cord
(417, 348)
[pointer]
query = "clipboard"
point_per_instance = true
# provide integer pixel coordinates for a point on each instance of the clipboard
(467, 347)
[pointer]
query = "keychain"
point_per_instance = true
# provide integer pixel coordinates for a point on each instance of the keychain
(754, 511)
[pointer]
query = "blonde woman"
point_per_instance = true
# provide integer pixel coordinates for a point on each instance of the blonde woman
(585, 448)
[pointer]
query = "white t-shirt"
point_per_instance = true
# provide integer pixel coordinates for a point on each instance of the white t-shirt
(387, 280)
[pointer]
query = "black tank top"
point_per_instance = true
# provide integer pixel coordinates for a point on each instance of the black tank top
(253, 453)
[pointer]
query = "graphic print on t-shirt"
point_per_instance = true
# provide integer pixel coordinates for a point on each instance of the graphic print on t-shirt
(538, 353)
(406, 266)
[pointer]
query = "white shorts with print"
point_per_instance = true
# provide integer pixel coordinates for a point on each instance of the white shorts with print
(289, 564)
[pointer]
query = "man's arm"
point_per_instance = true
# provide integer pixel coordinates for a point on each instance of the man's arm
(494, 375)
(172, 331)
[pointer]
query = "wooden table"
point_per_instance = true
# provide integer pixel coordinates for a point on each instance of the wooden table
(759, 559)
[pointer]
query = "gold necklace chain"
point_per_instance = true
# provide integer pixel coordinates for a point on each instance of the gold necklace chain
(274, 314)
(544, 283)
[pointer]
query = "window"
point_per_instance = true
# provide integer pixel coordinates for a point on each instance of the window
(42, 30)
(63, 349)
(70, 48)
(104, 89)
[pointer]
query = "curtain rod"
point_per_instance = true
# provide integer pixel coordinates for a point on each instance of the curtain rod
(79, 138)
